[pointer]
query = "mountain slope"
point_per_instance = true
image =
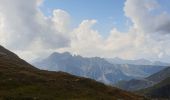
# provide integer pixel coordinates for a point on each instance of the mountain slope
(21, 81)
(160, 90)
(159, 76)
(134, 84)
(137, 84)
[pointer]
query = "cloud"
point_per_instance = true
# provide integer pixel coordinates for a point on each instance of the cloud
(146, 18)
(27, 31)
(85, 40)
(24, 24)
(141, 41)
(62, 20)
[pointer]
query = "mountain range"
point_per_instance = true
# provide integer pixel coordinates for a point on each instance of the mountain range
(21, 81)
(156, 86)
(160, 90)
(117, 60)
(137, 84)
(96, 68)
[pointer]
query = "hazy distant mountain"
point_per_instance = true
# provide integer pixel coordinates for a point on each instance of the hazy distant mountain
(117, 60)
(137, 84)
(95, 68)
(139, 71)
(21, 81)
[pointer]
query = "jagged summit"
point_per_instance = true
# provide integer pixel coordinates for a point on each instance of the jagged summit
(59, 55)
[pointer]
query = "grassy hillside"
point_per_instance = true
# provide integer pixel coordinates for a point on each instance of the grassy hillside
(21, 81)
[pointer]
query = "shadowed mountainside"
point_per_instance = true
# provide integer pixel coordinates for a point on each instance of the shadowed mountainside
(160, 90)
(21, 81)
(137, 84)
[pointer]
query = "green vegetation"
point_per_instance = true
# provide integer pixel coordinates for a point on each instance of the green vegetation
(43, 85)
(21, 81)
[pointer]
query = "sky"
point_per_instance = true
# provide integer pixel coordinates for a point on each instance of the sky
(91, 9)
(128, 29)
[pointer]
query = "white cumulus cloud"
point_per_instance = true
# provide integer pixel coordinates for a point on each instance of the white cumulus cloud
(24, 28)
(24, 23)
(145, 18)
(27, 31)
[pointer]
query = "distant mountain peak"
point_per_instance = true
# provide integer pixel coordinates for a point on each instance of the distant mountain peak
(117, 58)
(57, 54)
(64, 53)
